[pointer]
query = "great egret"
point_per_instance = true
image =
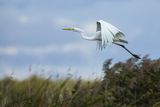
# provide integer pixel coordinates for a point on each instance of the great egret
(105, 35)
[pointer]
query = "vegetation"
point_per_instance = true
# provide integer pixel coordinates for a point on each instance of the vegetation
(125, 84)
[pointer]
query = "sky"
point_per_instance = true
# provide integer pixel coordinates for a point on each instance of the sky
(32, 40)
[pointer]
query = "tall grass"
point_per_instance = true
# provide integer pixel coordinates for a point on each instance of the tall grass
(125, 84)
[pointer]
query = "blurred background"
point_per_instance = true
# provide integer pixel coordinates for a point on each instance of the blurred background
(32, 42)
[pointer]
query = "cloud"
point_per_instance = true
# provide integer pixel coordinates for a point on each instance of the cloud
(23, 19)
(8, 50)
(47, 49)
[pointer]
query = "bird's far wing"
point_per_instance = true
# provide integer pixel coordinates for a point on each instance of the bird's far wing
(115, 31)
(106, 35)
(118, 35)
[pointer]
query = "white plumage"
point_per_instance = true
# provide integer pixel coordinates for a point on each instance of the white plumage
(105, 35)
(108, 33)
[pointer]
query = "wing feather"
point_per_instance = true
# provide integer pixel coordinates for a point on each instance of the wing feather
(115, 31)
(106, 35)
(109, 33)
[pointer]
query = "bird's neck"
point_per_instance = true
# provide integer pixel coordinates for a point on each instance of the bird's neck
(84, 35)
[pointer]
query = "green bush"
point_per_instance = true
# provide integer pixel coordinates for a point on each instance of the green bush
(133, 83)
(126, 84)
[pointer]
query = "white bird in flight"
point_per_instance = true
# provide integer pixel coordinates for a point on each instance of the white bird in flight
(105, 35)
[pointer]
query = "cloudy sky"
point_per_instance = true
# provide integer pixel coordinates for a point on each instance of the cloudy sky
(31, 39)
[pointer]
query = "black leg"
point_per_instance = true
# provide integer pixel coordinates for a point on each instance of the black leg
(136, 56)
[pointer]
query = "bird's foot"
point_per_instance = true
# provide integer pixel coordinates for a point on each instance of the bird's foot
(136, 56)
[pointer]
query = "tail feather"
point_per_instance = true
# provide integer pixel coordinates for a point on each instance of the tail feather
(119, 37)
(121, 40)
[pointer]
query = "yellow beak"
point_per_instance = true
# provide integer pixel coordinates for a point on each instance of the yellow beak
(68, 29)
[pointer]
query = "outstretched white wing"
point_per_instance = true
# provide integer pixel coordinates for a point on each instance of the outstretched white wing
(115, 31)
(108, 33)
